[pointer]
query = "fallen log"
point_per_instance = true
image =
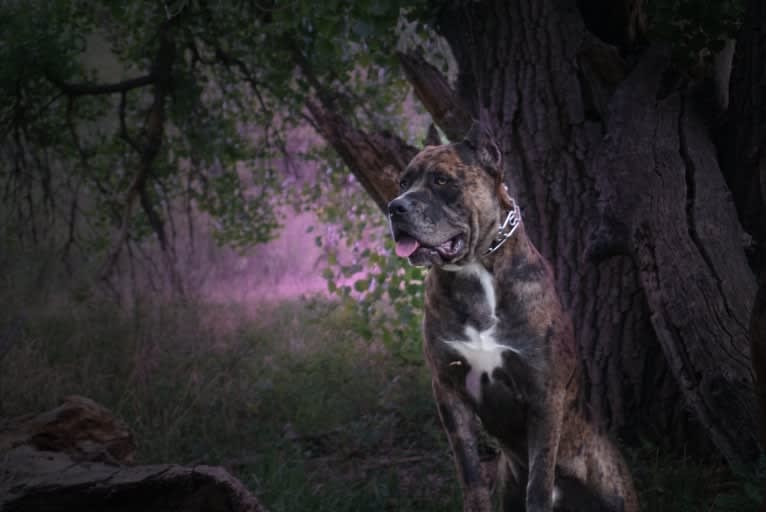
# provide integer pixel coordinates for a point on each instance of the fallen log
(77, 457)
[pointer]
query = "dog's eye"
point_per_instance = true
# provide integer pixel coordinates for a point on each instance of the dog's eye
(441, 180)
(403, 184)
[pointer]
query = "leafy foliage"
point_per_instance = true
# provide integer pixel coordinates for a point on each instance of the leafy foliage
(239, 75)
(307, 414)
(295, 404)
(387, 300)
(697, 30)
(383, 293)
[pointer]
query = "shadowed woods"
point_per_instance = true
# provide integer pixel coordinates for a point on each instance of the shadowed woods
(290, 400)
(156, 175)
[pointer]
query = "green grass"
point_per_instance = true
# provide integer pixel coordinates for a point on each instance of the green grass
(679, 483)
(290, 399)
(305, 412)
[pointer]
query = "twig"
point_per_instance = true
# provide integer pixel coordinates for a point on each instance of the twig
(86, 89)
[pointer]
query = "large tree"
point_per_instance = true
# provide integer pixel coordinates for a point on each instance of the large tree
(636, 181)
(610, 146)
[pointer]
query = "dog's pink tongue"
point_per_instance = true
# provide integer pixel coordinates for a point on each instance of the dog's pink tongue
(405, 246)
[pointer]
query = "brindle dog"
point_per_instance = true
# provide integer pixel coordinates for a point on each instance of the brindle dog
(497, 341)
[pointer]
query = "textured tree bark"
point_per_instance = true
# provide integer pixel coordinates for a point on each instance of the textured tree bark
(531, 70)
(758, 350)
(375, 159)
(96, 486)
(659, 179)
(744, 166)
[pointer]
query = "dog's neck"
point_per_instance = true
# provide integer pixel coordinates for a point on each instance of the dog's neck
(503, 237)
(514, 244)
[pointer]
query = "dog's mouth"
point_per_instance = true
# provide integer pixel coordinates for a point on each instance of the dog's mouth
(408, 246)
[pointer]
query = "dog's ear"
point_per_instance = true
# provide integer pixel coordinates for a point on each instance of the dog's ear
(487, 152)
(432, 137)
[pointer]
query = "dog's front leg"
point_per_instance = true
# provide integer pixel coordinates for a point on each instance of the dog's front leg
(458, 421)
(543, 433)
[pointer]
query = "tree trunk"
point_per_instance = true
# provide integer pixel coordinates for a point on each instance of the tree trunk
(545, 85)
(625, 198)
(744, 165)
(76, 456)
(660, 182)
(542, 82)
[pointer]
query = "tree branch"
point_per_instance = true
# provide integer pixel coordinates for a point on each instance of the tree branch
(148, 150)
(376, 159)
(229, 60)
(123, 125)
(87, 89)
(434, 92)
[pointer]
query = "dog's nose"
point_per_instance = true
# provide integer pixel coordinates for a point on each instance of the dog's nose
(398, 206)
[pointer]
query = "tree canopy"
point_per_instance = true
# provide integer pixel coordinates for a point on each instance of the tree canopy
(187, 93)
(197, 92)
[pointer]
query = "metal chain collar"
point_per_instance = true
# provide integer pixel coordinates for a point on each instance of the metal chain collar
(506, 229)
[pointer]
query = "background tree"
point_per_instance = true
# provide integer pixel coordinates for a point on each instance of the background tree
(611, 140)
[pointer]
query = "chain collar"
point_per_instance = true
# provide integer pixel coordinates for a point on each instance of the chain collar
(506, 229)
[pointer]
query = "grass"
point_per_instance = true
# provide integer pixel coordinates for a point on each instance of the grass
(680, 483)
(293, 402)
(289, 398)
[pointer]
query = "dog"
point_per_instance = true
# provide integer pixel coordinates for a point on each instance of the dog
(497, 341)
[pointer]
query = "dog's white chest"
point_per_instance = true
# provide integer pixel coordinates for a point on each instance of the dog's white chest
(480, 349)
(482, 353)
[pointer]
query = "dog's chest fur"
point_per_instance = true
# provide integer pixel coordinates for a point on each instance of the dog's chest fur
(477, 345)
(483, 339)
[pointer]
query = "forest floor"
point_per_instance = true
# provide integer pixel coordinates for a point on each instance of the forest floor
(289, 398)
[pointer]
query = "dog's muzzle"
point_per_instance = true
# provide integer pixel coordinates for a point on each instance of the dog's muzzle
(421, 250)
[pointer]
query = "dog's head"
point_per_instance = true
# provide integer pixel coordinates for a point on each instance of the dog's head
(451, 201)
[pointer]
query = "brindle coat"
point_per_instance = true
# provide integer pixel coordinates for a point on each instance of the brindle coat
(553, 458)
